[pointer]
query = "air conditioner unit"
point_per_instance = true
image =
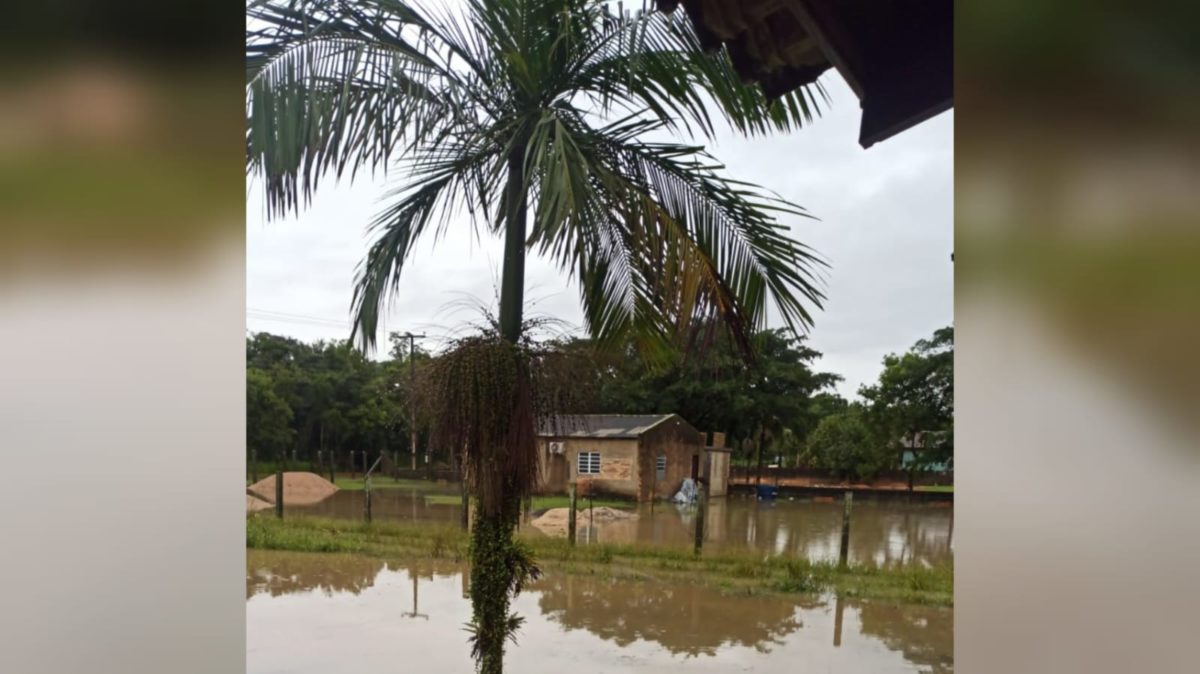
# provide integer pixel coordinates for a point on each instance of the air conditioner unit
(556, 448)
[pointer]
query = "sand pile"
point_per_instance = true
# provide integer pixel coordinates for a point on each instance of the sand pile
(255, 504)
(298, 488)
(554, 521)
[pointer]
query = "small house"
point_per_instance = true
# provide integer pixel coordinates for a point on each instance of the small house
(921, 441)
(640, 456)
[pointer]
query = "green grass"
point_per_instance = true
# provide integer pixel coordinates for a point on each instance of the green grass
(939, 488)
(564, 501)
(741, 572)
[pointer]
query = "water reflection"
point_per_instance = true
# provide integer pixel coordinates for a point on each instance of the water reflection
(685, 619)
(276, 573)
(882, 533)
(404, 505)
(280, 573)
(381, 614)
(924, 635)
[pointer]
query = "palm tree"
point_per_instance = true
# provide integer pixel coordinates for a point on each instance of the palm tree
(530, 118)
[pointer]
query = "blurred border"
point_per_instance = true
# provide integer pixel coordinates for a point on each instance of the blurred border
(1077, 290)
(121, 296)
(122, 329)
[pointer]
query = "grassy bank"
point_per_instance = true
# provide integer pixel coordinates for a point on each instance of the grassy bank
(743, 572)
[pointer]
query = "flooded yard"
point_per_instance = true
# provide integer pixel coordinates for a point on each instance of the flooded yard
(884, 532)
(318, 613)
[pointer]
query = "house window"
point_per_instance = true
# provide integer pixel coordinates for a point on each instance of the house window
(589, 463)
(660, 467)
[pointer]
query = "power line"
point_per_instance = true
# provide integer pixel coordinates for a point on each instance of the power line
(281, 316)
(292, 315)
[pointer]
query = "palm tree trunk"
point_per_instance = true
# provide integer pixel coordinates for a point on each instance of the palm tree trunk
(512, 281)
(492, 536)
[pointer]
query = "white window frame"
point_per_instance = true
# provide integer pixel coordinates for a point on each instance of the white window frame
(588, 463)
(660, 467)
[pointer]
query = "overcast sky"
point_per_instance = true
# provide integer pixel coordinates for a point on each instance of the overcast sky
(886, 226)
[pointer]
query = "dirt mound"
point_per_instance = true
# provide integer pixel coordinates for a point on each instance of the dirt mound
(554, 521)
(298, 488)
(255, 504)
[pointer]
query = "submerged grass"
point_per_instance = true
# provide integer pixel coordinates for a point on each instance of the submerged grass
(384, 482)
(540, 502)
(740, 572)
(564, 501)
(940, 488)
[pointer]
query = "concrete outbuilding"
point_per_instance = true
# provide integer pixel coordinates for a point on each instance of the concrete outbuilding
(640, 456)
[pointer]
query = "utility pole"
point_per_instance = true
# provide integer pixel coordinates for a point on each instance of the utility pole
(412, 389)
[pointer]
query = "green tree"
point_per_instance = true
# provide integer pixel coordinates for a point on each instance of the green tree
(529, 115)
(268, 417)
(912, 405)
(340, 400)
(717, 390)
(844, 445)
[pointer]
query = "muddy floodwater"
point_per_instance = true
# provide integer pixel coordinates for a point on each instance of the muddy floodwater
(320, 613)
(885, 532)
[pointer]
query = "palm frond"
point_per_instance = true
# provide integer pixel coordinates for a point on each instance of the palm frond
(661, 242)
(333, 87)
(462, 172)
(654, 61)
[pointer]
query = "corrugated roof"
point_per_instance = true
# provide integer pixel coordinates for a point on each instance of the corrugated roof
(600, 425)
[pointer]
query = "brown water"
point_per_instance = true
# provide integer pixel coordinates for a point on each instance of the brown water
(883, 532)
(329, 613)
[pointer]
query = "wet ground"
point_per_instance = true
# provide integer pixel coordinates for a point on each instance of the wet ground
(324, 613)
(884, 532)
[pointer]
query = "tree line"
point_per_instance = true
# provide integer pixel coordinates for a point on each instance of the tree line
(779, 409)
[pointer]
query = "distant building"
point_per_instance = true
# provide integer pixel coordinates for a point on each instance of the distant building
(641, 456)
(908, 455)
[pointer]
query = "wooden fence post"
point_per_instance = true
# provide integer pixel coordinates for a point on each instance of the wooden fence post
(367, 498)
(844, 554)
(701, 502)
(279, 492)
(571, 516)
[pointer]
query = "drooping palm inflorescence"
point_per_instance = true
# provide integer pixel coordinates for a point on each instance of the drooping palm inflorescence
(530, 119)
(487, 397)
